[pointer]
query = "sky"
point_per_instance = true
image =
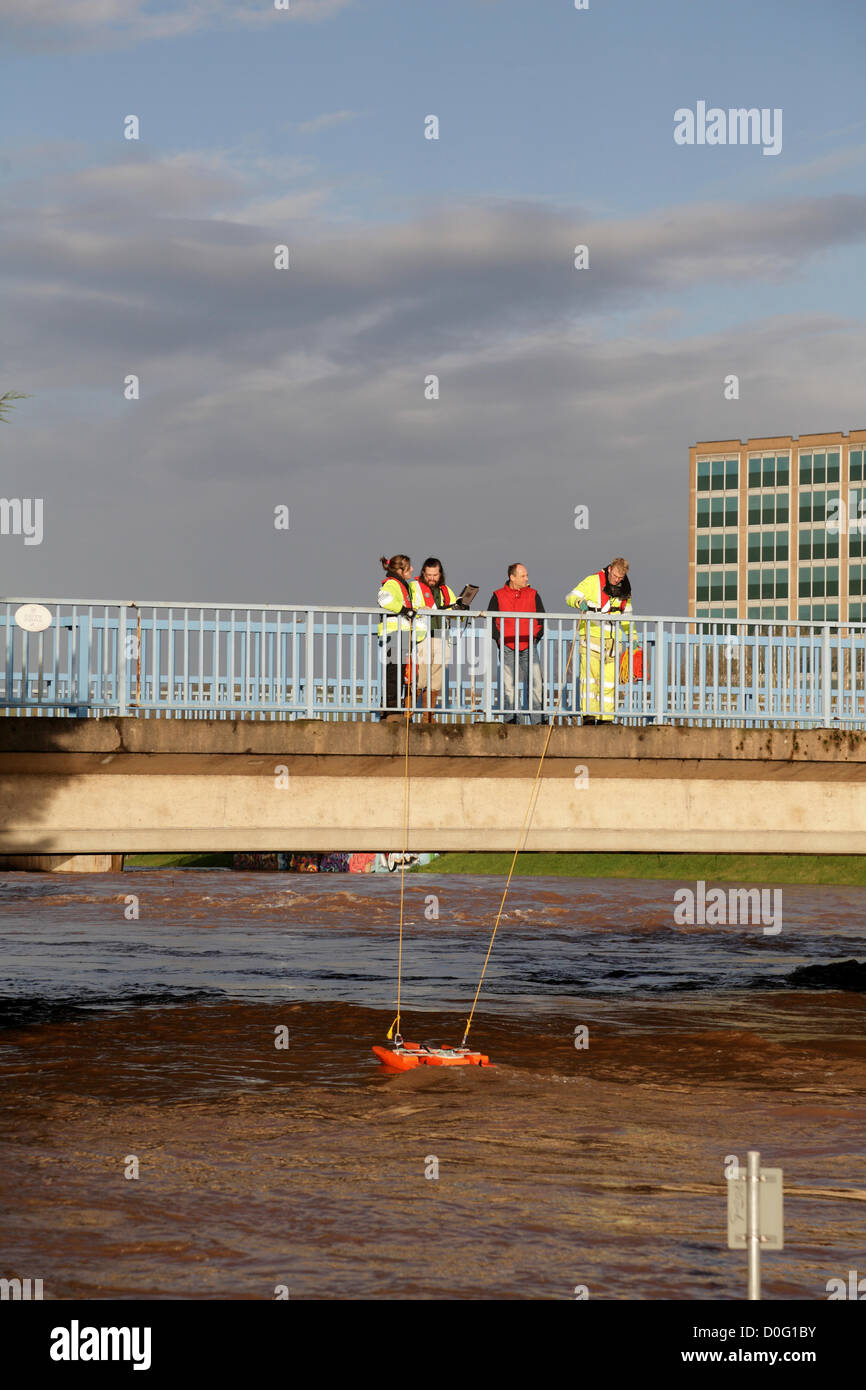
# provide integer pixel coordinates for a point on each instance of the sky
(410, 258)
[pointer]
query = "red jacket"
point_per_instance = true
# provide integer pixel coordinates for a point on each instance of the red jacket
(509, 600)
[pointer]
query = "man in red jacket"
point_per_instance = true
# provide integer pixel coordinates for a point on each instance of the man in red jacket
(519, 643)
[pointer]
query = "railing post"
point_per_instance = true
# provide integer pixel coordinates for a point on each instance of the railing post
(310, 664)
(826, 679)
(660, 682)
(122, 708)
(488, 669)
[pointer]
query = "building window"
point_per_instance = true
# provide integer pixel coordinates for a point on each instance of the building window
(819, 468)
(718, 475)
(814, 505)
(855, 466)
(819, 581)
(769, 471)
(855, 580)
(819, 544)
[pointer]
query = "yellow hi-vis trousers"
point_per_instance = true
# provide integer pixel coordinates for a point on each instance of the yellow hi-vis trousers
(596, 699)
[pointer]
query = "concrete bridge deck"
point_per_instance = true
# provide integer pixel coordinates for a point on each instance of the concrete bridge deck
(130, 785)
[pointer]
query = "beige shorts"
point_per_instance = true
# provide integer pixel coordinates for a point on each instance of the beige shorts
(430, 662)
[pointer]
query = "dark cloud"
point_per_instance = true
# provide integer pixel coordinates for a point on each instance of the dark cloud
(306, 386)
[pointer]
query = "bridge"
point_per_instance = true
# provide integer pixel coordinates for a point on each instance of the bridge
(145, 728)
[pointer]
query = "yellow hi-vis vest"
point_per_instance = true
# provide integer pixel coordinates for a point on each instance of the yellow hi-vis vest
(590, 590)
(392, 597)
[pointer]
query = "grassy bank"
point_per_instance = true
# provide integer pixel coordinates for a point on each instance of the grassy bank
(840, 869)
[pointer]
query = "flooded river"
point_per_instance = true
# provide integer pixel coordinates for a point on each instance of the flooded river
(150, 1045)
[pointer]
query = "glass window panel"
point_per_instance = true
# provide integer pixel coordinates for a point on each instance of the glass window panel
(754, 472)
(767, 588)
(781, 583)
(782, 507)
(703, 515)
(754, 584)
(819, 469)
(768, 509)
(819, 506)
(703, 588)
(817, 581)
(768, 476)
(732, 473)
(703, 550)
(717, 511)
(805, 506)
(768, 612)
(832, 612)
(804, 612)
(716, 587)
(804, 583)
(832, 545)
(854, 579)
(781, 545)
(754, 511)
(856, 465)
(805, 468)
(717, 549)
(832, 581)
(854, 612)
(718, 474)
(818, 541)
(782, 478)
(754, 553)
(855, 544)
(730, 585)
(804, 544)
(703, 475)
(768, 545)
(817, 612)
(731, 510)
(833, 467)
(731, 550)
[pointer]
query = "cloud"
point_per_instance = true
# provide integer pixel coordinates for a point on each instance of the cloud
(825, 165)
(558, 387)
(119, 23)
(327, 121)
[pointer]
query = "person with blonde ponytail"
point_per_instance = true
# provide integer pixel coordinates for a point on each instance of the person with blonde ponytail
(400, 630)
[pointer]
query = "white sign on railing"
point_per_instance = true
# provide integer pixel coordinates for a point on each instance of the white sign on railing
(32, 617)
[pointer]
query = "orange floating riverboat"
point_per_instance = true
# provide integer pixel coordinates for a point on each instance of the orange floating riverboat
(404, 1056)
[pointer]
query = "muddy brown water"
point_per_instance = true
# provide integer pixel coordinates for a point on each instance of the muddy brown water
(307, 1166)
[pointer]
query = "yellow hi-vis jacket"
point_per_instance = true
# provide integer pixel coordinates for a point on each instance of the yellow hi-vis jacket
(590, 591)
(392, 598)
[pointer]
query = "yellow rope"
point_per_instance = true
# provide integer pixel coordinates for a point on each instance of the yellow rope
(527, 818)
(405, 843)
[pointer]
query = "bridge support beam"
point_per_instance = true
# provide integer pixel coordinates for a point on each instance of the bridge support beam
(109, 786)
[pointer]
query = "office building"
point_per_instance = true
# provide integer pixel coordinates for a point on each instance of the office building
(777, 528)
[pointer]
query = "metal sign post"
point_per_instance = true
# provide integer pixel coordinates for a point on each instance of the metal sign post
(755, 1215)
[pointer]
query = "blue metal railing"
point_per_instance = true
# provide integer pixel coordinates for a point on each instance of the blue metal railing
(297, 662)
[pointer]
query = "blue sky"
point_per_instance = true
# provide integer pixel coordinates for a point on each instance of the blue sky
(411, 256)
